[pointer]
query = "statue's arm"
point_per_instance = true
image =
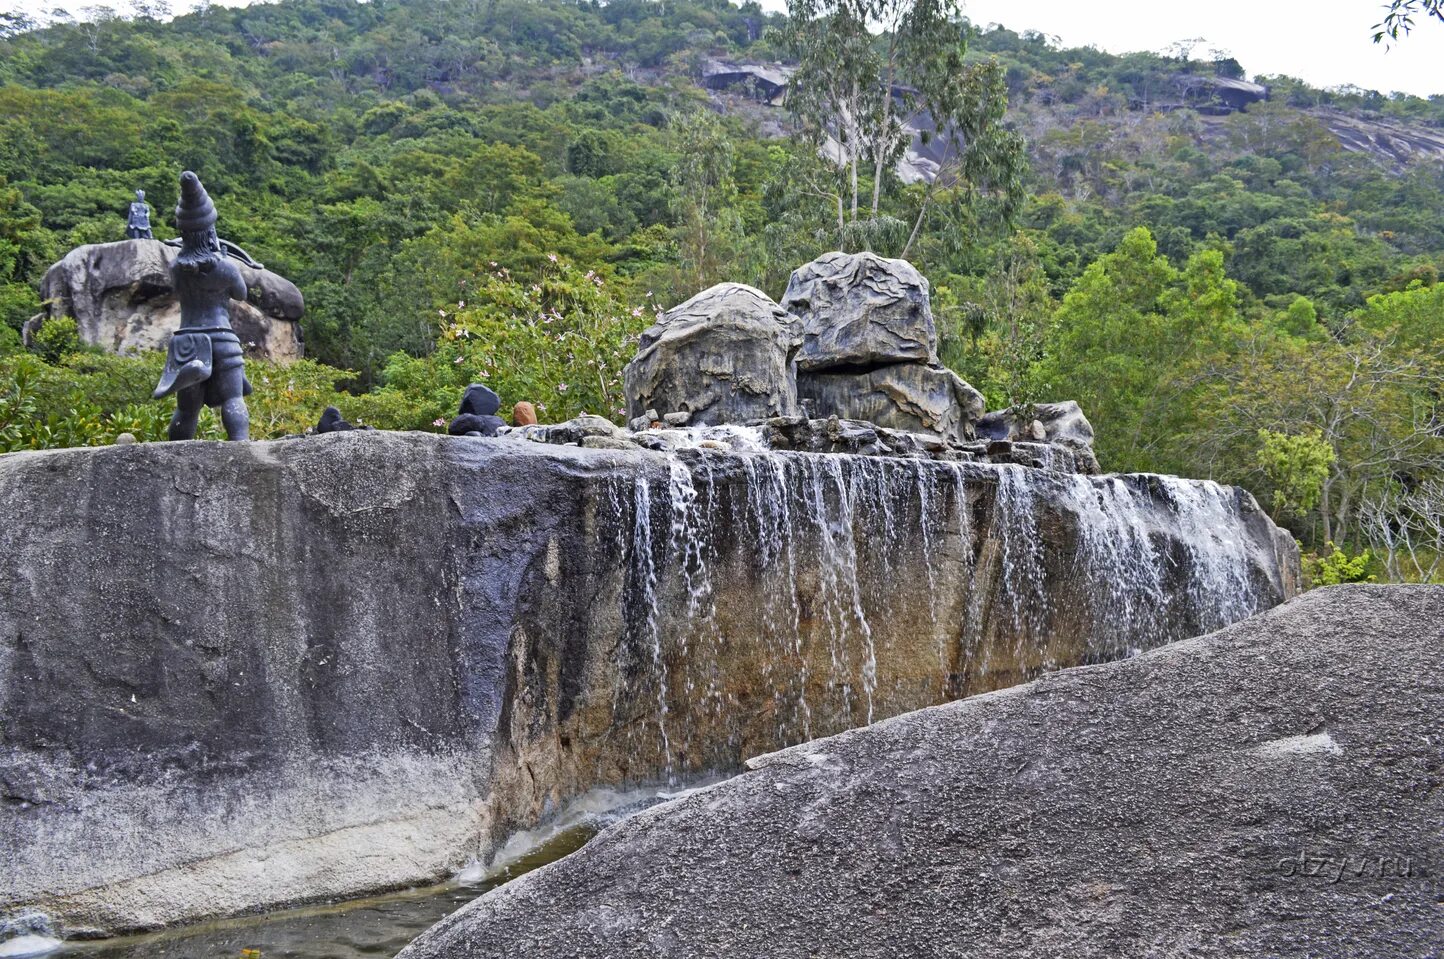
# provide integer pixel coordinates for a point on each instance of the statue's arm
(238, 283)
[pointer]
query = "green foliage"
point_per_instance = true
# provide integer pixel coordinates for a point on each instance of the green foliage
(1335, 567)
(1131, 342)
(559, 342)
(1399, 20)
(57, 338)
(1297, 467)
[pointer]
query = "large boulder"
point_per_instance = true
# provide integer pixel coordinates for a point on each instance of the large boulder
(1270, 790)
(121, 298)
(1061, 424)
(241, 675)
(727, 355)
(861, 310)
(903, 396)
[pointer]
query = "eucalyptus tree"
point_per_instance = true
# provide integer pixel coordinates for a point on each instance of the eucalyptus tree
(1399, 19)
(870, 74)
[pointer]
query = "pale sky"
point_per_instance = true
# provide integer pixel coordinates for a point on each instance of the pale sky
(1326, 42)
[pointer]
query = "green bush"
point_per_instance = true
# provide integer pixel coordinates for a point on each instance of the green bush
(1336, 567)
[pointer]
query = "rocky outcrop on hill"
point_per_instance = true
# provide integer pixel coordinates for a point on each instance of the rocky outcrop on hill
(1271, 790)
(121, 299)
(240, 675)
(727, 355)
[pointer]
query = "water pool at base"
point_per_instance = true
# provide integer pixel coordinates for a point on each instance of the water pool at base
(379, 926)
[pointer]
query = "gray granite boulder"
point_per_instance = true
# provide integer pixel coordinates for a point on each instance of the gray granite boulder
(1061, 424)
(121, 299)
(727, 355)
(861, 310)
(237, 676)
(1269, 790)
(904, 396)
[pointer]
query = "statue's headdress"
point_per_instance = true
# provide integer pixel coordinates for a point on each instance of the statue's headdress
(195, 211)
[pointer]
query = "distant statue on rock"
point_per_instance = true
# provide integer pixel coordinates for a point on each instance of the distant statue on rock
(204, 365)
(332, 422)
(477, 416)
(137, 225)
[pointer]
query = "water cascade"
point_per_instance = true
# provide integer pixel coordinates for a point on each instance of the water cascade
(771, 597)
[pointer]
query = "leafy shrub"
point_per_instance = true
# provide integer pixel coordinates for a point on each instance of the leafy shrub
(560, 343)
(1336, 567)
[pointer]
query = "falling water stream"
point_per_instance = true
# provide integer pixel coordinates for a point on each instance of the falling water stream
(1144, 560)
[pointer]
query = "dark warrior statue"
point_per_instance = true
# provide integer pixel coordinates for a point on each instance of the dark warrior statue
(137, 225)
(204, 366)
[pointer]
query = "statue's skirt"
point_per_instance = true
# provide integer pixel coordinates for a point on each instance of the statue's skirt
(209, 355)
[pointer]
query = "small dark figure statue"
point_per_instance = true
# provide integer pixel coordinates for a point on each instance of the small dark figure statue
(137, 225)
(331, 422)
(478, 413)
(204, 365)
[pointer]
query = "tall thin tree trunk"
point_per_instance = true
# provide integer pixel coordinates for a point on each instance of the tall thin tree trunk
(853, 146)
(886, 120)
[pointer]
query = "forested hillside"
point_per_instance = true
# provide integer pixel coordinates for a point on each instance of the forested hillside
(509, 189)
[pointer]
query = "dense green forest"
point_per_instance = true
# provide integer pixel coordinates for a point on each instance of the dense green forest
(508, 190)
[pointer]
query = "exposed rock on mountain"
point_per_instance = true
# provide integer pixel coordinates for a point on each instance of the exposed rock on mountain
(1271, 790)
(121, 298)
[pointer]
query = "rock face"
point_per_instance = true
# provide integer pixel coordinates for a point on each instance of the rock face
(1270, 790)
(902, 396)
(235, 676)
(861, 310)
(727, 355)
(121, 298)
(1063, 424)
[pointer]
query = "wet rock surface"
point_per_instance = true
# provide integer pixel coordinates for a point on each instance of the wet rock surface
(1270, 790)
(727, 355)
(236, 676)
(121, 298)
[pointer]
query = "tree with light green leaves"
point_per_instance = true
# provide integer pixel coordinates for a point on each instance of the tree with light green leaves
(1297, 466)
(869, 73)
(1133, 342)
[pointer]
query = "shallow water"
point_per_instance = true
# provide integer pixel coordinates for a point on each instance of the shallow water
(379, 926)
